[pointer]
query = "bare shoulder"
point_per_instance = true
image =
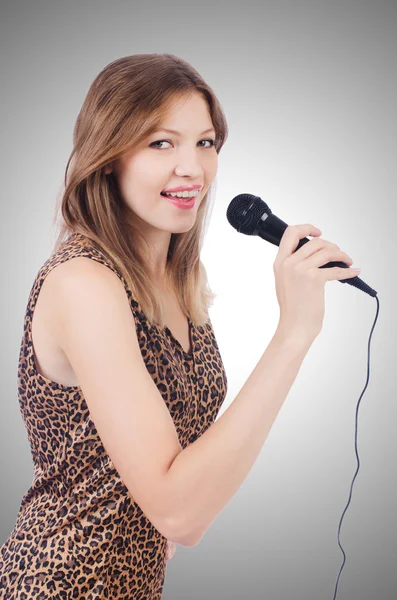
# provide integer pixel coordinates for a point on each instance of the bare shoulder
(76, 267)
(75, 276)
(46, 314)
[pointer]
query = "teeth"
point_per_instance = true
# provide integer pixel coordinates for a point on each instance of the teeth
(184, 194)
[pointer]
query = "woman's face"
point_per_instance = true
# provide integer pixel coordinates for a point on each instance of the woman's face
(166, 160)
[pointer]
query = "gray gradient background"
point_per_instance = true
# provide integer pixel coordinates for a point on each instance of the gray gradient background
(309, 91)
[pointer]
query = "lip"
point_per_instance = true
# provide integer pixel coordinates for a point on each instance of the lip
(182, 188)
(183, 204)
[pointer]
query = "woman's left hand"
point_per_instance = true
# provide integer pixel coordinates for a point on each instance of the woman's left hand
(170, 550)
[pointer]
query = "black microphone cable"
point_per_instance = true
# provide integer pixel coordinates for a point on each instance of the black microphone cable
(355, 445)
(250, 215)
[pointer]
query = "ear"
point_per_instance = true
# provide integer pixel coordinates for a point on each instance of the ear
(108, 169)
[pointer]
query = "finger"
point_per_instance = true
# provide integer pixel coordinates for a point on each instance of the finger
(170, 549)
(291, 237)
(325, 255)
(333, 273)
(310, 248)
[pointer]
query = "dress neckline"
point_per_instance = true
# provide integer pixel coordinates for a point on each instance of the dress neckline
(167, 330)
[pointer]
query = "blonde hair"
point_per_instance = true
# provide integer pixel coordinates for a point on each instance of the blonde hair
(125, 103)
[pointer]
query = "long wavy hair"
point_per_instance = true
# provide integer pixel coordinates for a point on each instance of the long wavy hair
(125, 103)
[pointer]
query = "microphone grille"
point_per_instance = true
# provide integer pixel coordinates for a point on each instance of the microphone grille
(245, 211)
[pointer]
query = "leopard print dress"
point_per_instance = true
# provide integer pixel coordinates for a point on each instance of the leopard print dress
(79, 533)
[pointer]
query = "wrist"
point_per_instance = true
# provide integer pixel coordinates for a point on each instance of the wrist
(293, 337)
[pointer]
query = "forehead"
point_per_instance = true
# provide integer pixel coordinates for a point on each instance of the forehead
(187, 114)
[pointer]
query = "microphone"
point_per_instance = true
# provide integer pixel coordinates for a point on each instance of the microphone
(250, 215)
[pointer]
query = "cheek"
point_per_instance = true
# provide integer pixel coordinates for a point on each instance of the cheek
(138, 181)
(212, 166)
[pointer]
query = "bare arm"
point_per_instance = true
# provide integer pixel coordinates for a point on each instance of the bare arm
(181, 491)
(204, 476)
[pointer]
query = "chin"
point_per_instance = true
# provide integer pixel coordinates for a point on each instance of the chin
(182, 229)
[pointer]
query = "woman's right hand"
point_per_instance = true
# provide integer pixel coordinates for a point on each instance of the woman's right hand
(300, 282)
(170, 550)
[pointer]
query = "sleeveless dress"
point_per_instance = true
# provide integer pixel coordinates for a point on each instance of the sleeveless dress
(79, 533)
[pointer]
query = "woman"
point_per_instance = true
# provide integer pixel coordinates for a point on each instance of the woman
(120, 377)
(86, 527)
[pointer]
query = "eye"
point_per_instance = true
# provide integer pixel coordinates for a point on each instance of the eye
(152, 145)
(212, 142)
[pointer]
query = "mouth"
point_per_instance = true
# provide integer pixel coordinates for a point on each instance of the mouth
(180, 202)
(179, 198)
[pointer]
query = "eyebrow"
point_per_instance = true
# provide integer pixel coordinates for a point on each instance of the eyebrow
(177, 132)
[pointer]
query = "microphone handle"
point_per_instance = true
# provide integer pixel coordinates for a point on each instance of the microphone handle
(271, 228)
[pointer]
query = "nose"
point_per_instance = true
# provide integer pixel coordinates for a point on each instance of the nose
(188, 163)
